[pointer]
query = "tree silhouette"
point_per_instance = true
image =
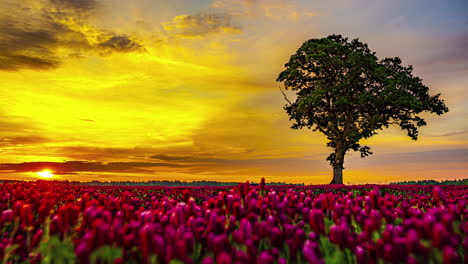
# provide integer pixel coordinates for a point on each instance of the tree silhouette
(344, 91)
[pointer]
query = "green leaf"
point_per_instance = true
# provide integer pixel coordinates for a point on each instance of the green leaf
(8, 256)
(176, 261)
(106, 254)
(55, 250)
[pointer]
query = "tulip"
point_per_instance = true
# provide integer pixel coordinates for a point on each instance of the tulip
(26, 215)
(411, 260)
(145, 240)
(82, 252)
(450, 255)
(207, 260)
(440, 235)
(282, 261)
(276, 237)
(36, 238)
(316, 221)
(265, 258)
(400, 249)
(439, 195)
(374, 197)
(7, 215)
(69, 215)
(412, 241)
(309, 253)
(361, 256)
(251, 247)
(223, 258)
(180, 249)
(17, 207)
(339, 234)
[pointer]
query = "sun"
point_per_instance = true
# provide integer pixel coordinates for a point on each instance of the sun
(45, 174)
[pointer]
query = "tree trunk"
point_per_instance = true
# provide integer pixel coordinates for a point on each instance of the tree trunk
(337, 175)
(338, 165)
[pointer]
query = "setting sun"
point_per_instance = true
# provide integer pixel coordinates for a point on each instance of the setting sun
(45, 174)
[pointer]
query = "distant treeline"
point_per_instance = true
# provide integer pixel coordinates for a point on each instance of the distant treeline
(433, 182)
(170, 183)
(217, 183)
(155, 183)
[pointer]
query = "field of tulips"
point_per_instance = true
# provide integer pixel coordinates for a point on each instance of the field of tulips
(44, 222)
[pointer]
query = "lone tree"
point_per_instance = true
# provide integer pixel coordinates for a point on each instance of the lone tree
(344, 91)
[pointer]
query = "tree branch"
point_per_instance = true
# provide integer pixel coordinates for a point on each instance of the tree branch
(285, 97)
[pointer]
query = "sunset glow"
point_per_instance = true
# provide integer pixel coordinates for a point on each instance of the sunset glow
(45, 174)
(185, 90)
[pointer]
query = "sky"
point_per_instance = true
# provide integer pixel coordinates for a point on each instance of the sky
(186, 90)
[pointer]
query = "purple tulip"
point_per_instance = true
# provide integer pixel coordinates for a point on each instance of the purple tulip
(309, 253)
(316, 221)
(207, 260)
(450, 255)
(361, 256)
(223, 258)
(265, 258)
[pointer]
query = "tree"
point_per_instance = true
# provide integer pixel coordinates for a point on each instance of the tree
(344, 91)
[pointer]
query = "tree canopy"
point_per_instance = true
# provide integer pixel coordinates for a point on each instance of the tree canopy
(344, 91)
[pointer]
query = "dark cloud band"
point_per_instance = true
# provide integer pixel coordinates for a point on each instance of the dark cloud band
(75, 4)
(84, 166)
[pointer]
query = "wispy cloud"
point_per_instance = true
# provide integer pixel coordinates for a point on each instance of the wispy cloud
(23, 140)
(15, 124)
(82, 5)
(201, 25)
(450, 52)
(457, 133)
(270, 9)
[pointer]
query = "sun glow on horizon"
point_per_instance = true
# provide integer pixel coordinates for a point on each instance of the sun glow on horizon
(45, 174)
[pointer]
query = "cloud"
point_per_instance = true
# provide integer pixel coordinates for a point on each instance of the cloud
(32, 37)
(194, 159)
(244, 166)
(121, 44)
(435, 156)
(162, 160)
(14, 124)
(173, 154)
(449, 52)
(75, 4)
(84, 166)
(25, 46)
(172, 158)
(197, 167)
(23, 140)
(201, 25)
(449, 134)
(431, 159)
(97, 153)
(279, 10)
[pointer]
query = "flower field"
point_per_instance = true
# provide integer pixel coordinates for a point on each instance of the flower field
(45, 222)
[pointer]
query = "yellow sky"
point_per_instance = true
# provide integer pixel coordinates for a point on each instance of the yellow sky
(147, 90)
